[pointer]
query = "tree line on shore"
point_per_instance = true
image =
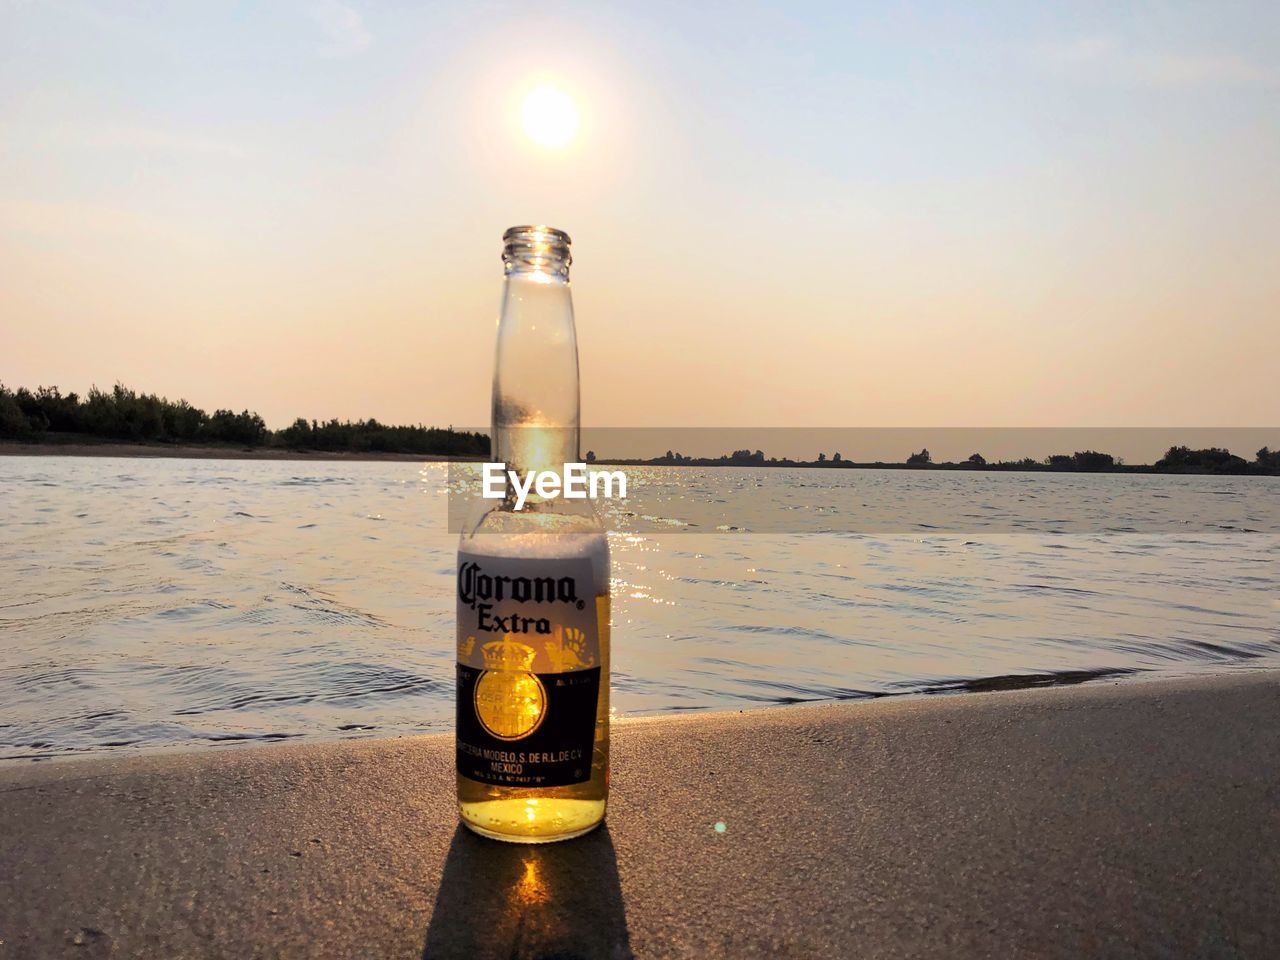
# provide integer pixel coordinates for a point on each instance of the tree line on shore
(1178, 459)
(122, 414)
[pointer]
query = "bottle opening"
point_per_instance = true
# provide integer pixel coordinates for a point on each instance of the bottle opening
(537, 250)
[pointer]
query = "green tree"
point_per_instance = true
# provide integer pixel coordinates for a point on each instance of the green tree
(1092, 460)
(1211, 460)
(13, 422)
(124, 414)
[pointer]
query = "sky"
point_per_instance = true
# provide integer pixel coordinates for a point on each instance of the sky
(797, 214)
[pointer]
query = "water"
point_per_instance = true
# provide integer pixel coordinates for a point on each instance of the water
(190, 602)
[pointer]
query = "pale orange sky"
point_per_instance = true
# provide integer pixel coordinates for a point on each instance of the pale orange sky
(816, 217)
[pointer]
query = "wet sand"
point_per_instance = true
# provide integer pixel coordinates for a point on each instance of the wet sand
(1109, 819)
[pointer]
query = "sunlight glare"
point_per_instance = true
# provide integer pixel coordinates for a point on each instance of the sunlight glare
(549, 116)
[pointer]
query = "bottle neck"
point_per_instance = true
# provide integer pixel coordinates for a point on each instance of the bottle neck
(536, 423)
(540, 251)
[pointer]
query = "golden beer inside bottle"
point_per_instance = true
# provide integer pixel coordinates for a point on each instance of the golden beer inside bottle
(537, 814)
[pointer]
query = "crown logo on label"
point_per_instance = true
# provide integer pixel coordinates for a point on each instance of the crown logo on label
(508, 655)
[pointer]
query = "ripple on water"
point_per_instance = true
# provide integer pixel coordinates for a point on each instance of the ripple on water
(256, 609)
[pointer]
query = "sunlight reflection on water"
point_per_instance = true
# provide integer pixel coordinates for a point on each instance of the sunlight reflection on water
(168, 602)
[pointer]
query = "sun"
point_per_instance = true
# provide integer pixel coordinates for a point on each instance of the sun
(549, 116)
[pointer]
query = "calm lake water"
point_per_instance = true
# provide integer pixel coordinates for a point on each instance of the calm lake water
(186, 602)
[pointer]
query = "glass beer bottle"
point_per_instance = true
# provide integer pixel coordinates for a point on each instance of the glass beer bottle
(533, 584)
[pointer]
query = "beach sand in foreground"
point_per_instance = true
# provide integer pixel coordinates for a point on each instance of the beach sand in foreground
(1129, 819)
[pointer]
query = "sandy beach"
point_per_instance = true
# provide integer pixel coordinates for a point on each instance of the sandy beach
(1110, 819)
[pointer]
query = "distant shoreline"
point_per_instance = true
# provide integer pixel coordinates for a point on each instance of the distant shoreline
(947, 466)
(17, 448)
(178, 451)
(124, 423)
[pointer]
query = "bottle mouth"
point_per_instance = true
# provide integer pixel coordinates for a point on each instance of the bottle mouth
(536, 249)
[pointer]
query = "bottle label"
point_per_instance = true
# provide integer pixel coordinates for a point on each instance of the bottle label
(528, 670)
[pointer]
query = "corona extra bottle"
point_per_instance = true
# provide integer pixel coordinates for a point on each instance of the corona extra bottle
(533, 584)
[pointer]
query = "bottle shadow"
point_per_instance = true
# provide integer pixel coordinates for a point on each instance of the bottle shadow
(529, 902)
